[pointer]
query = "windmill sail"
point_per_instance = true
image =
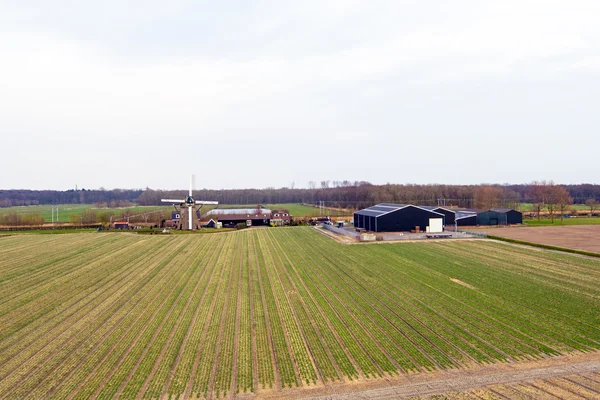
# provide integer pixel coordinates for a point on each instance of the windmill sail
(191, 204)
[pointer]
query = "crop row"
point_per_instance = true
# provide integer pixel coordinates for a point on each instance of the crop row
(104, 316)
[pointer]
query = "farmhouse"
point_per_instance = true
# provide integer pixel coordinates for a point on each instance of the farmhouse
(229, 217)
(500, 216)
(387, 217)
(280, 217)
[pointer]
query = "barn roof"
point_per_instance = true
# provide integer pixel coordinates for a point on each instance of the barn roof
(501, 210)
(445, 209)
(240, 217)
(462, 214)
(237, 211)
(386, 208)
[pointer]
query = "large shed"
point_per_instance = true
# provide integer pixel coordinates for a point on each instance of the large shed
(386, 217)
(466, 218)
(450, 215)
(500, 216)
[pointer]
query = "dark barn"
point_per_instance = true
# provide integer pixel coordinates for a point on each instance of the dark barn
(499, 216)
(466, 219)
(448, 214)
(394, 218)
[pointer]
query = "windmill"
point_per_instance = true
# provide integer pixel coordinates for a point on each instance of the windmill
(190, 203)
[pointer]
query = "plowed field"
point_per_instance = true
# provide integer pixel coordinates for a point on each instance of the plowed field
(114, 315)
(584, 237)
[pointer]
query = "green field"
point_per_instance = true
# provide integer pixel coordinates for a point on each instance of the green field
(65, 211)
(529, 207)
(98, 315)
(565, 221)
(296, 210)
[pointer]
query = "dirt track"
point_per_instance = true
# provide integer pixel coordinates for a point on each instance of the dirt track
(452, 381)
(580, 237)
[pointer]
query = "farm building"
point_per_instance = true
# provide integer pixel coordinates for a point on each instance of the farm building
(466, 218)
(456, 216)
(500, 216)
(449, 214)
(280, 217)
(387, 217)
(211, 223)
(232, 216)
(121, 225)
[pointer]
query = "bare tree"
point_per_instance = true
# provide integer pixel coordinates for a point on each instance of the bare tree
(563, 200)
(324, 184)
(592, 205)
(487, 197)
(551, 198)
(312, 185)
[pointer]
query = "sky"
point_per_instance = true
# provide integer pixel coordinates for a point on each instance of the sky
(255, 94)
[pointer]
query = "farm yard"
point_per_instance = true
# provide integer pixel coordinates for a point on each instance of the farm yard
(100, 315)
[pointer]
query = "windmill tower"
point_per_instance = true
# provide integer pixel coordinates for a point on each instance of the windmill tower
(191, 205)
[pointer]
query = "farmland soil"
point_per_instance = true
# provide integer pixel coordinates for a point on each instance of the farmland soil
(581, 237)
(574, 367)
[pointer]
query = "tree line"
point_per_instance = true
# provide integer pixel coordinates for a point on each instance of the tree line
(343, 194)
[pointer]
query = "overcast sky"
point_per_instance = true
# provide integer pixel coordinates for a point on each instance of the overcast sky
(129, 94)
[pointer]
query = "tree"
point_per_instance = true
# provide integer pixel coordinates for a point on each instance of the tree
(538, 195)
(75, 219)
(487, 197)
(592, 205)
(550, 197)
(312, 185)
(563, 200)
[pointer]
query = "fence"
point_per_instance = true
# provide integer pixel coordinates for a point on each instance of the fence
(47, 227)
(475, 234)
(342, 231)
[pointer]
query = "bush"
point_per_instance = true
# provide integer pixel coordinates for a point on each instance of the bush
(241, 225)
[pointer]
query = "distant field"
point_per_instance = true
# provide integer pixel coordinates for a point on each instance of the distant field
(296, 210)
(565, 221)
(106, 315)
(66, 210)
(528, 207)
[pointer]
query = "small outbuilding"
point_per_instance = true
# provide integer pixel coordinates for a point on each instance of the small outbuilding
(121, 225)
(386, 217)
(500, 216)
(211, 223)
